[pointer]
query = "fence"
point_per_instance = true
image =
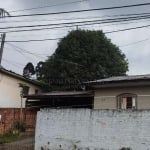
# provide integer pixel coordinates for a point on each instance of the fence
(8, 122)
(9, 117)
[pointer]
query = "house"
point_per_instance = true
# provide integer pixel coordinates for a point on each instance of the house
(95, 128)
(122, 92)
(12, 105)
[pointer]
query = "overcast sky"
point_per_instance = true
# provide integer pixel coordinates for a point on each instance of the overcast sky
(137, 53)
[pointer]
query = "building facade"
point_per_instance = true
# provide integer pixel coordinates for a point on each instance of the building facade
(12, 105)
(127, 92)
(10, 90)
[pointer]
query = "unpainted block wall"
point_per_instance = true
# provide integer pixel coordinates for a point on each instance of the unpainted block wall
(10, 116)
(85, 129)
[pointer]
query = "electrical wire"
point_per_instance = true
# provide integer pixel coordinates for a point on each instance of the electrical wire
(72, 24)
(111, 24)
(48, 6)
(84, 10)
(35, 54)
(12, 62)
(38, 40)
(79, 22)
(75, 18)
(20, 52)
(127, 29)
(136, 42)
(25, 51)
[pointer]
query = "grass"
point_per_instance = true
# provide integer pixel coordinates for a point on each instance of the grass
(13, 134)
(7, 138)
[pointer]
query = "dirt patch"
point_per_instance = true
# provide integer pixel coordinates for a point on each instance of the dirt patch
(24, 143)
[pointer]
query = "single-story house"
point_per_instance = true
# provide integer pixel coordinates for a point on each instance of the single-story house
(99, 128)
(123, 92)
(11, 103)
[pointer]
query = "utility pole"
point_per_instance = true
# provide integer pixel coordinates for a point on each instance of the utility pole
(2, 46)
(77, 27)
(3, 13)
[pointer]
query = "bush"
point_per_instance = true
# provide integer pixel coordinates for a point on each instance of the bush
(20, 126)
(8, 137)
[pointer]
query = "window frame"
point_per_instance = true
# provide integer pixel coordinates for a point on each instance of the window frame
(125, 95)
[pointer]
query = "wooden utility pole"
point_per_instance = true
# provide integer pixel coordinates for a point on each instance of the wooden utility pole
(2, 46)
(77, 27)
(3, 13)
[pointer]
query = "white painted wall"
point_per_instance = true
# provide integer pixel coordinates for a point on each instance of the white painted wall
(10, 91)
(92, 129)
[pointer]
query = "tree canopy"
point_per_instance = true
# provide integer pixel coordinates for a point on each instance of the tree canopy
(83, 55)
(28, 70)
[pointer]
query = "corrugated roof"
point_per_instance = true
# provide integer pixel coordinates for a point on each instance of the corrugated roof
(122, 78)
(13, 74)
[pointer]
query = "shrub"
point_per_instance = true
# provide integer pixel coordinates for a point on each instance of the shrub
(20, 126)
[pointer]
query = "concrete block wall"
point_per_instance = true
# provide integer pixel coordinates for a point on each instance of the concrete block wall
(85, 129)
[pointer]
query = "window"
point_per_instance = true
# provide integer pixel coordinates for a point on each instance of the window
(127, 101)
(36, 91)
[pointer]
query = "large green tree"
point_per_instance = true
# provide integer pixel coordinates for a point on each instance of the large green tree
(84, 55)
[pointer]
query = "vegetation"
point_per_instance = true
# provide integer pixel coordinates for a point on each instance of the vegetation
(24, 89)
(21, 127)
(14, 133)
(9, 137)
(28, 70)
(83, 55)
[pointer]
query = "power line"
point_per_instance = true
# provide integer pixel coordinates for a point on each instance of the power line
(38, 29)
(47, 6)
(37, 34)
(79, 22)
(66, 61)
(84, 10)
(133, 28)
(72, 24)
(75, 18)
(25, 51)
(20, 52)
(12, 62)
(136, 42)
(127, 29)
(74, 63)
(36, 40)
(120, 23)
